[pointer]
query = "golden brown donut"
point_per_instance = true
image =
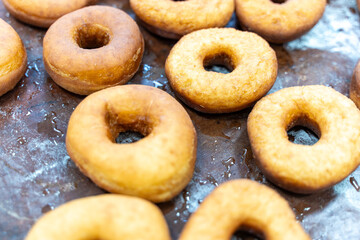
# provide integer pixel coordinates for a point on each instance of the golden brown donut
(243, 204)
(156, 167)
(43, 13)
(279, 21)
(93, 48)
(358, 3)
(13, 58)
(253, 62)
(355, 86)
(173, 19)
(303, 168)
(105, 217)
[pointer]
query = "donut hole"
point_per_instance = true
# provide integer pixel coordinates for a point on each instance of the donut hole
(129, 133)
(247, 234)
(220, 62)
(128, 137)
(92, 36)
(303, 131)
(279, 1)
(123, 131)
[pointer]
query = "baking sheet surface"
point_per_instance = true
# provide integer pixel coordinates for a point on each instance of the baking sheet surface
(37, 175)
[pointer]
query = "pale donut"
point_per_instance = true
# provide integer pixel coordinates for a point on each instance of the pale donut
(93, 48)
(156, 167)
(102, 217)
(43, 13)
(276, 22)
(173, 19)
(253, 62)
(355, 86)
(304, 168)
(13, 58)
(243, 204)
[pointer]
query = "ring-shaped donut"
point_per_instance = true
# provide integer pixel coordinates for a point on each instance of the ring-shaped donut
(106, 216)
(93, 48)
(253, 62)
(156, 167)
(173, 19)
(355, 86)
(13, 58)
(243, 204)
(279, 22)
(43, 13)
(305, 168)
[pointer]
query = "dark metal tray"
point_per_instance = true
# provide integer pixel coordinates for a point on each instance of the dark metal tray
(37, 175)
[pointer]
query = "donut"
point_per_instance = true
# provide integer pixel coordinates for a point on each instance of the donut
(243, 204)
(173, 19)
(355, 86)
(253, 62)
(43, 13)
(304, 168)
(93, 48)
(358, 3)
(156, 167)
(107, 216)
(279, 21)
(13, 58)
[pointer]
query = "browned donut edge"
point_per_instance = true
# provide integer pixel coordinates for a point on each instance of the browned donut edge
(159, 31)
(84, 88)
(28, 19)
(15, 77)
(355, 85)
(188, 101)
(279, 38)
(15, 64)
(31, 19)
